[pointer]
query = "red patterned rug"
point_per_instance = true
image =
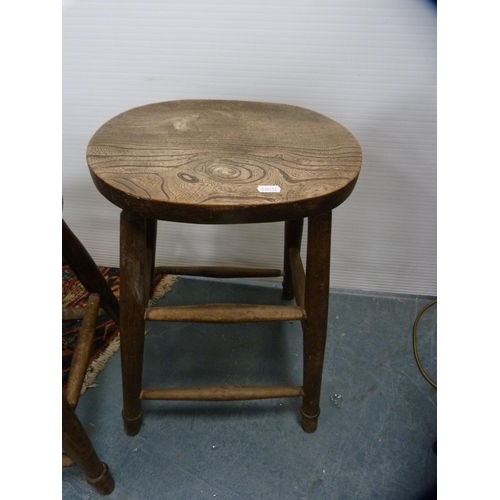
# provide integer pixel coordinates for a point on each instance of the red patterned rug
(107, 335)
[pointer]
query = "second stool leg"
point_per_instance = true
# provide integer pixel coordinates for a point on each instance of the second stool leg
(86, 270)
(134, 294)
(78, 447)
(151, 230)
(316, 322)
(293, 239)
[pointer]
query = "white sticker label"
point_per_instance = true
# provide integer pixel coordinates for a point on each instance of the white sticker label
(269, 189)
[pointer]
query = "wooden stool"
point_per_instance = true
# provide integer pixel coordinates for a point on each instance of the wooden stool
(224, 162)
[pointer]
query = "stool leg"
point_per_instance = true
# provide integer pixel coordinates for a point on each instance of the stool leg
(86, 270)
(316, 322)
(134, 279)
(78, 447)
(151, 230)
(293, 239)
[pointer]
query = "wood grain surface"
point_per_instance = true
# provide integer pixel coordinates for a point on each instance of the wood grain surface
(213, 161)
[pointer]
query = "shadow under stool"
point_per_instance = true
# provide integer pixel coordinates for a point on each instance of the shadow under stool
(224, 162)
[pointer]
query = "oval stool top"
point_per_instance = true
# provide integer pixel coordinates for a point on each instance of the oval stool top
(223, 162)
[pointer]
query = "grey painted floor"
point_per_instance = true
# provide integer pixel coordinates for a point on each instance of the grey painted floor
(377, 444)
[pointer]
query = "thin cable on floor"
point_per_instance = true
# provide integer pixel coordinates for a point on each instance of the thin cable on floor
(415, 350)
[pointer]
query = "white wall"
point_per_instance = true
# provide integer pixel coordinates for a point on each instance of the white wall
(369, 64)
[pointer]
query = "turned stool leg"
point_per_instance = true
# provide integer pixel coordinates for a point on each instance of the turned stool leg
(293, 239)
(316, 322)
(78, 447)
(151, 231)
(134, 280)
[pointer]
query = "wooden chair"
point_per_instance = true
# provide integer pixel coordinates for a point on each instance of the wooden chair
(75, 440)
(224, 162)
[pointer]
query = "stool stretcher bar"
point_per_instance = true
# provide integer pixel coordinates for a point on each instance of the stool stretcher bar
(221, 393)
(219, 272)
(224, 313)
(77, 313)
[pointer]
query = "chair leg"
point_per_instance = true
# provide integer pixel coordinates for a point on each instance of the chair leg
(78, 447)
(86, 270)
(134, 280)
(316, 322)
(151, 231)
(293, 239)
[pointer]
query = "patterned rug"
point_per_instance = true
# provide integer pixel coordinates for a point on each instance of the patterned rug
(107, 335)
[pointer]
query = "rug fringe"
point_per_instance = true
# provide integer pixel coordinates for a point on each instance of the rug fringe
(98, 364)
(164, 286)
